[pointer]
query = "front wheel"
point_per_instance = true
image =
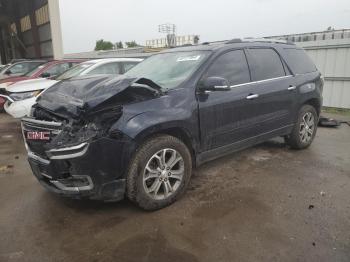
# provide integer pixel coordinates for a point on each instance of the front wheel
(159, 172)
(305, 129)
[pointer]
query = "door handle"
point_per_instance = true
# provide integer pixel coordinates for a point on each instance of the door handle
(252, 96)
(290, 88)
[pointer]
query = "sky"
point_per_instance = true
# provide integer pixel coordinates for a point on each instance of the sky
(85, 21)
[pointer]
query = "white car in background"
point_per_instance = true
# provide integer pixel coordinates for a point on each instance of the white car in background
(22, 95)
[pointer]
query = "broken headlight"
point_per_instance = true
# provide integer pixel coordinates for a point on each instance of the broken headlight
(72, 135)
(106, 117)
(87, 128)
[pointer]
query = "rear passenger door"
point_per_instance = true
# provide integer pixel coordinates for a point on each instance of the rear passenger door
(274, 88)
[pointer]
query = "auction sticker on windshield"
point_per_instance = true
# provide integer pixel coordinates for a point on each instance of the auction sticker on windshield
(188, 58)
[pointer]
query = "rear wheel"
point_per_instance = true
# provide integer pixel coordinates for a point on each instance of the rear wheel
(159, 172)
(305, 129)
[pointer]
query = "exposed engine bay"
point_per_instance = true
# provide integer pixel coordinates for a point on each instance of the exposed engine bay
(89, 110)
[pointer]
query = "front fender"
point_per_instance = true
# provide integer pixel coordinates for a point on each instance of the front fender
(152, 121)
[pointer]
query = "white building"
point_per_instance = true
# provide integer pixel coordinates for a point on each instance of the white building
(180, 40)
(330, 50)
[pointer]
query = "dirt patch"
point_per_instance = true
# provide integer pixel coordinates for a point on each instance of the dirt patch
(240, 201)
(150, 247)
(6, 170)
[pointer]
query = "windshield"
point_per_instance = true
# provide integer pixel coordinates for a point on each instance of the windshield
(168, 70)
(74, 71)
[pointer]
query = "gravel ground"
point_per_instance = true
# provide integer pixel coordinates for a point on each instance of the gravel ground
(266, 203)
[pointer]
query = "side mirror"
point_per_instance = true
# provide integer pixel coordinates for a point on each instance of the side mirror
(214, 83)
(8, 72)
(45, 75)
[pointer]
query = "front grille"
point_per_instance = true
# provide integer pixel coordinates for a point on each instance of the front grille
(38, 147)
(43, 114)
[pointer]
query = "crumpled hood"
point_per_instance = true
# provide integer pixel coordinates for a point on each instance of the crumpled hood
(82, 94)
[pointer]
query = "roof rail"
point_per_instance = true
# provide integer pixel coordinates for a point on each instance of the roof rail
(267, 40)
(215, 42)
(233, 41)
(261, 40)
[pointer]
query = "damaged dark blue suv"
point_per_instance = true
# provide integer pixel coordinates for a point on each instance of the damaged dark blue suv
(139, 135)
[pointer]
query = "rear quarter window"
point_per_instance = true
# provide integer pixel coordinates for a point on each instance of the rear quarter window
(299, 61)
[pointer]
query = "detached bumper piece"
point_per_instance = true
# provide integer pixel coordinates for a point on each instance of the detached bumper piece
(71, 178)
(63, 183)
(76, 183)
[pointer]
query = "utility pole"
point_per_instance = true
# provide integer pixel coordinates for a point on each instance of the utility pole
(170, 30)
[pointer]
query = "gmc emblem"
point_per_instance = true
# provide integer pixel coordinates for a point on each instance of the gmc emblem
(35, 135)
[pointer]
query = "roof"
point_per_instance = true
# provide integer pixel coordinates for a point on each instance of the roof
(51, 62)
(104, 60)
(230, 43)
(32, 61)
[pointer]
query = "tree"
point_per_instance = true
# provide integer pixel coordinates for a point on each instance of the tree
(131, 44)
(103, 45)
(196, 39)
(119, 45)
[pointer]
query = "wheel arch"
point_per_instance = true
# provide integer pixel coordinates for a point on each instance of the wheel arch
(180, 133)
(314, 102)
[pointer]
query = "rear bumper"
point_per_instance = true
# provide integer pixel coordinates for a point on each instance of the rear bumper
(93, 170)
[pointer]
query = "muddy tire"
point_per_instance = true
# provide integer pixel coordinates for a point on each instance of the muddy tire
(305, 129)
(159, 172)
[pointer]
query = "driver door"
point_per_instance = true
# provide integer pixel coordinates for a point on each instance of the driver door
(225, 116)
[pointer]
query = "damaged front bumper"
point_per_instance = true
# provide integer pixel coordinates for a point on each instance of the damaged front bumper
(94, 169)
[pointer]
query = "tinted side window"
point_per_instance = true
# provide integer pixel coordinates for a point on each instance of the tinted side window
(265, 63)
(58, 69)
(18, 69)
(299, 61)
(33, 65)
(231, 66)
(24, 67)
(110, 69)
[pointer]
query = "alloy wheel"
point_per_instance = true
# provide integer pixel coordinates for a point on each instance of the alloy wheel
(307, 127)
(163, 174)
